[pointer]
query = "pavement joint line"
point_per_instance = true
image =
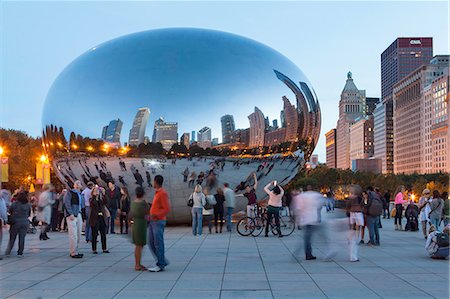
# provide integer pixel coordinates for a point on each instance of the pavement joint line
(225, 266)
(187, 265)
(264, 267)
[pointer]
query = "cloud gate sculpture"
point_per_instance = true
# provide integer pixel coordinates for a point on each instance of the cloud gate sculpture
(194, 105)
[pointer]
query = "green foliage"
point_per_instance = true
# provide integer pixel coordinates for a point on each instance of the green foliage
(22, 152)
(323, 177)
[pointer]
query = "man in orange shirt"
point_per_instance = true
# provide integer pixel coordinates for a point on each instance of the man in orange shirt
(160, 208)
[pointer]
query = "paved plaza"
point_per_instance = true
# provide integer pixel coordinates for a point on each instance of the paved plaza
(227, 266)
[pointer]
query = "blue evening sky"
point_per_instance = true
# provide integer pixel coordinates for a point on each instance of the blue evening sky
(325, 39)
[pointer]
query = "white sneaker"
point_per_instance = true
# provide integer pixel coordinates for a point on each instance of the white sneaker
(155, 269)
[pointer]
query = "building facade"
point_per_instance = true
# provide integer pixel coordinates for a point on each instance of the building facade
(185, 140)
(113, 131)
(413, 116)
(402, 57)
(291, 121)
(361, 138)
(165, 133)
(275, 137)
(352, 106)
(228, 128)
(257, 128)
(204, 137)
(330, 140)
(242, 136)
(137, 131)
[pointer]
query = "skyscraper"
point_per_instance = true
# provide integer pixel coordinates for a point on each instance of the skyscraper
(361, 138)
(215, 142)
(193, 137)
(204, 137)
(331, 148)
(113, 131)
(104, 131)
(275, 124)
(413, 116)
(402, 57)
(257, 128)
(371, 104)
(228, 128)
(137, 131)
(166, 133)
(351, 107)
(185, 139)
(291, 120)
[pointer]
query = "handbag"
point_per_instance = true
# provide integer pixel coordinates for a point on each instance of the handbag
(190, 202)
(393, 212)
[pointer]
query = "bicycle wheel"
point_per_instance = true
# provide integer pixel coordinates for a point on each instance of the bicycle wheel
(245, 226)
(287, 225)
(260, 224)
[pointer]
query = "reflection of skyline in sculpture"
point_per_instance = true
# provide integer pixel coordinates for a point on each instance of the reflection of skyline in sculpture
(165, 133)
(137, 132)
(257, 128)
(111, 132)
(228, 128)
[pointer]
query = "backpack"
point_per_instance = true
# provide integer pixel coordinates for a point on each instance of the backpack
(442, 240)
(376, 207)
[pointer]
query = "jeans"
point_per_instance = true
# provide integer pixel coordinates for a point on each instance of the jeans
(435, 222)
(273, 212)
(87, 228)
(156, 242)
(309, 229)
(373, 226)
(123, 220)
(112, 221)
(441, 253)
(229, 212)
(17, 229)
(197, 221)
(100, 227)
(74, 228)
(218, 217)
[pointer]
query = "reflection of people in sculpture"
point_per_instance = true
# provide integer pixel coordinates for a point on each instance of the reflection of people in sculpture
(149, 179)
(191, 179)
(185, 174)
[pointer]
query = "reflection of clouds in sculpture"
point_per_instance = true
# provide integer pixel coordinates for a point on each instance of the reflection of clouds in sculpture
(191, 78)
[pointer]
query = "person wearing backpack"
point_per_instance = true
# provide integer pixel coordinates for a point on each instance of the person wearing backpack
(374, 211)
(437, 207)
(437, 244)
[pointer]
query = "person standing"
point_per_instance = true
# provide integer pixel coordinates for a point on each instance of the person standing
(387, 200)
(436, 206)
(310, 207)
(72, 204)
(424, 208)
(374, 210)
(98, 219)
(199, 200)
(44, 210)
(19, 211)
(158, 212)
(218, 208)
(87, 199)
(400, 199)
(230, 203)
(446, 212)
(124, 209)
(113, 200)
(139, 209)
(3, 216)
(185, 174)
(250, 194)
(274, 205)
(149, 179)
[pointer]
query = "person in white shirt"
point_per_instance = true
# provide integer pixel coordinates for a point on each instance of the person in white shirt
(274, 205)
(310, 207)
(230, 203)
(199, 200)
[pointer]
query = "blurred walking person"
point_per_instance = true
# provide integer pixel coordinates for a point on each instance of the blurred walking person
(158, 213)
(437, 207)
(230, 203)
(87, 199)
(424, 209)
(3, 216)
(310, 207)
(356, 220)
(44, 210)
(138, 212)
(98, 218)
(19, 212)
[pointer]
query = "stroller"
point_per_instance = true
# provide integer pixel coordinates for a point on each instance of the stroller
(412, 220)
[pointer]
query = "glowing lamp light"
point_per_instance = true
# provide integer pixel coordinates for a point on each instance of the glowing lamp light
(1, 150)
(43, 158)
